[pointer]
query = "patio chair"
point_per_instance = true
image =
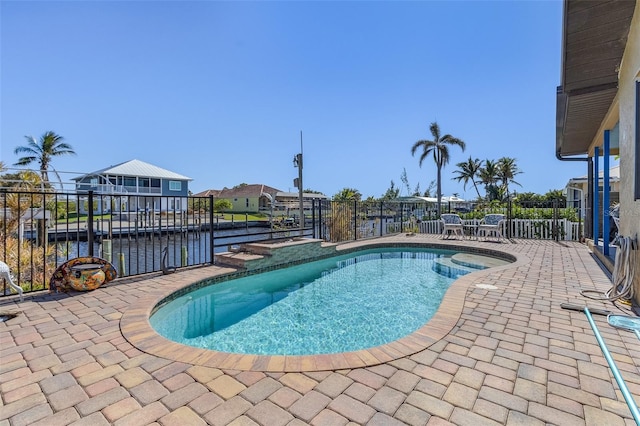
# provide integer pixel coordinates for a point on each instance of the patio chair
(451, 222)
(491, 223)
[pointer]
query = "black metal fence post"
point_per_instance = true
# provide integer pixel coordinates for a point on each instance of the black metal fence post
(320, 230)
(555, 225)
(89, 224)
(313, 218)
(509, 216)
(580, 225)
(211, 242)
(381, 218)
(355, 220)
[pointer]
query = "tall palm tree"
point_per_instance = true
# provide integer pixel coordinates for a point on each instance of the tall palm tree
(489, 177)
(439, 148)
(507, 170)
(469, 171)
(50, 145)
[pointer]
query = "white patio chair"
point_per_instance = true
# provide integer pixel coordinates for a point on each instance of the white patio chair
(451, 222)
(491, 223)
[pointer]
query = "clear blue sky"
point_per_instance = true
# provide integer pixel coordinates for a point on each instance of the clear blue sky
(220, 91)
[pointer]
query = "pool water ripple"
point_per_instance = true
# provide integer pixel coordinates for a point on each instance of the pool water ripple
(330, 306)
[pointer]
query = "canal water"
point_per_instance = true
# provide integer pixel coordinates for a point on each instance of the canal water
(145, 254)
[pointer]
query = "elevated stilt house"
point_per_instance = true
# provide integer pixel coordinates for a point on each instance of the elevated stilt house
(134, 186)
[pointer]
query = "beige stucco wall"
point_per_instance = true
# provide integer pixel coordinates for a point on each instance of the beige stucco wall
(240, 205)
(629, 74)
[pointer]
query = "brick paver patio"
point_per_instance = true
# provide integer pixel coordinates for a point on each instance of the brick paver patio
(511, 355)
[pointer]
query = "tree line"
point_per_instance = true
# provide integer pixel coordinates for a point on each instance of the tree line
(496, 177)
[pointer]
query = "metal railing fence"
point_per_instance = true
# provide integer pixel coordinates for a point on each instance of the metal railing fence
(39, 231)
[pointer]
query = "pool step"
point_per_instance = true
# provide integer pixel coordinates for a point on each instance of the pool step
(445, 266)
(236, 259)
(476, 261)
(271, 254)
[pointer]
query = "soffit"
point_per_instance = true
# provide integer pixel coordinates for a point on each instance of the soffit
(594, 36)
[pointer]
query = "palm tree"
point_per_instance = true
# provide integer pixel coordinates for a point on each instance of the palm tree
(507, 170)
(348, 194)
(50, 145)
(439, 148)
(489, 177)
(469, 171)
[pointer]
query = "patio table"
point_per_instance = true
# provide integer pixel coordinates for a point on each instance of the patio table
(470, 230)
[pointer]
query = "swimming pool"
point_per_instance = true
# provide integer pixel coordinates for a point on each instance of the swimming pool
(345, 303)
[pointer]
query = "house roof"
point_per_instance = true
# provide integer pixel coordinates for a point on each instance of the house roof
(443, 199)
(614, 175)
(417, 199)
(304, 195)
(594, 36)
(208, 192)
(244, 191)
(137, 168)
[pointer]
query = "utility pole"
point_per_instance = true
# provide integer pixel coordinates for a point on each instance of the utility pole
(297, 182)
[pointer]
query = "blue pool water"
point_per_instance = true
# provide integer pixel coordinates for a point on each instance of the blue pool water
(340, 304)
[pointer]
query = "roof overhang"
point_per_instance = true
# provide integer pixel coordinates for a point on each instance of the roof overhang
(594, 36)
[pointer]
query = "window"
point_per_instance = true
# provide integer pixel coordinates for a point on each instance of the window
(637, 171)
(247, 202)
(175, 185)
(94, 182)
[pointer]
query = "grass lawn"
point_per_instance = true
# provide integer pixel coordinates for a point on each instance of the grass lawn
(241, 217)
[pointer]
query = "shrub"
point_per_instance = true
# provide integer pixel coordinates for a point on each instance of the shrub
(30, 261)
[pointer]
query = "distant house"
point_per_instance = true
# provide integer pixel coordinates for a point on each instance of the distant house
(577, 189)
(256, 198)
(288, 203)
(251, 198)
(448, 204)
(135, 186)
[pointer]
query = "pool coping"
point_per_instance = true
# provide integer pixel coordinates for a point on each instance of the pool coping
(136, 328)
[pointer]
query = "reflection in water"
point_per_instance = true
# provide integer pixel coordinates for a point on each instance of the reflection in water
(144, 254)
(133, 256)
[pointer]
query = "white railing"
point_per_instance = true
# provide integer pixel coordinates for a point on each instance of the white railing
(539, 229)
(122, 189)
(133, 190)
(430, 227)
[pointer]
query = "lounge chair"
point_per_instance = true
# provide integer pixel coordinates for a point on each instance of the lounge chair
(491, 223)
(451, 222)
